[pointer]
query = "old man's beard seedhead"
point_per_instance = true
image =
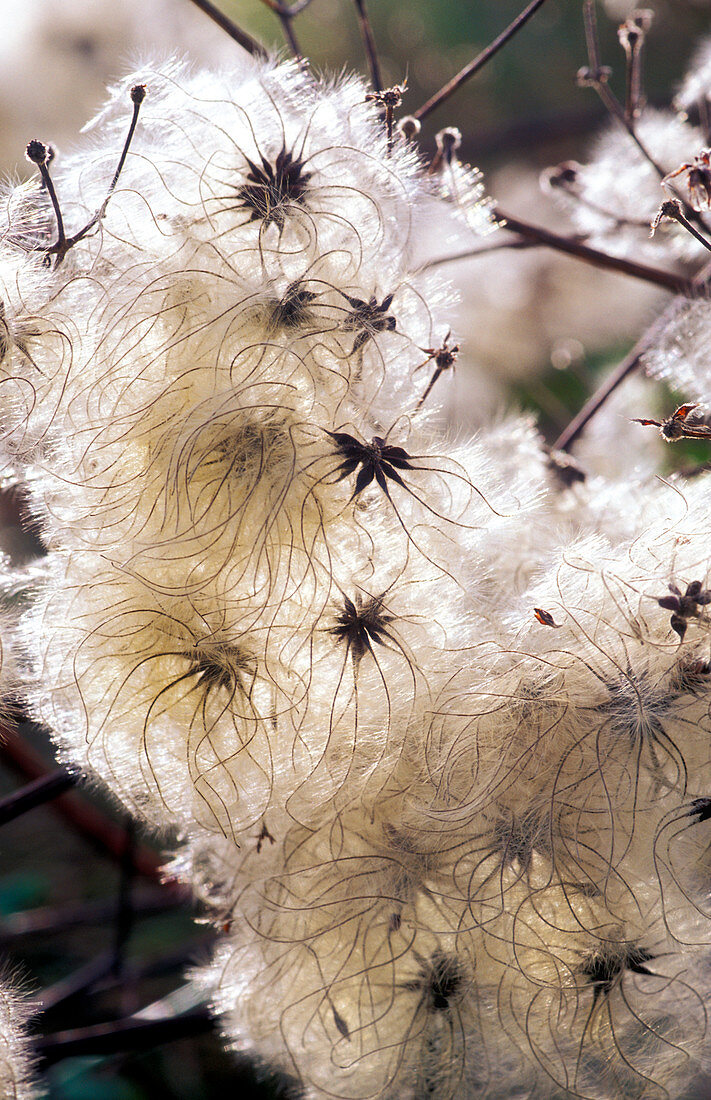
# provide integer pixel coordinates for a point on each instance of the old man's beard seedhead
(437, 753)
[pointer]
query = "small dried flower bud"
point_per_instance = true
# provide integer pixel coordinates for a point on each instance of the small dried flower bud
(561, 176)
(590, 78)
(37, 152)
(448, 141)
(670, 208)
(138, 93)
(545, 618)
(643, 18)
(392, 97)
(409, 127)
(630, 36)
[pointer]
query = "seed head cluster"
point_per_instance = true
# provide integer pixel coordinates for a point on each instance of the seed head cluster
(439, 760)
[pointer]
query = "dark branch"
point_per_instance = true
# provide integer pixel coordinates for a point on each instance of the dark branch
(534, 235)
(672, 209)
(370, 48)
(36, 793)
(236, 33)
(478, 63)
(678, 284)
(130, 1034)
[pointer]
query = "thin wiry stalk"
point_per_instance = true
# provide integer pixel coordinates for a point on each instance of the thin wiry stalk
(129, 1034)
(478, 63)
(286, 16)
(371, 50)
(627, 367)
(534, 235)
(41, 790)
(255, 48)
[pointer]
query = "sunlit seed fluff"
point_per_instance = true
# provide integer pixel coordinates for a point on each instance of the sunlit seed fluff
(428, 712)
(680, 353)
(695, 89)
(622, 192)
(16, 1068)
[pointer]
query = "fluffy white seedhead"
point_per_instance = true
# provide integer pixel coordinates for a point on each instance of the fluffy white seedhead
(695, 89)
(680, 353)
(614, 198)
(428, 712)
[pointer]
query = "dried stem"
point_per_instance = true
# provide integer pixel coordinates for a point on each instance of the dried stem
(572, 246)
(628, 365)
(678, 284)
(672, 209)
(597, 79)
(236, 33)
(85, 818)
(287, 25)
(36, 793)
(596, 76)
(369, 42)
(130, 1034)
(592, 42)
(41, 155)
(478, 63)
(287, 13)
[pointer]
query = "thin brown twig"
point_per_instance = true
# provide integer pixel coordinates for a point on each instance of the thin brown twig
(370, 48)
(678, 284)
(41, 155)
(37, 793)
(478, 63)
(572, 246)
(596, 77)
(287, 25)
(592, 41)
(615, 108)
(286, 17)
(133, 1033)
(628, 365)
(483, 250)
(81, 815)
(672, 209)
(230, 27)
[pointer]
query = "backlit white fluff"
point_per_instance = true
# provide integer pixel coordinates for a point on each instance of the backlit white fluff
(431, 716)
